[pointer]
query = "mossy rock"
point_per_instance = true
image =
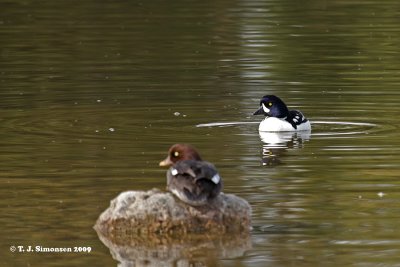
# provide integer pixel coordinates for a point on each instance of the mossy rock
(138, 213)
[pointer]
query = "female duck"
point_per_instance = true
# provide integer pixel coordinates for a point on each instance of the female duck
(192, 180)
(279, 118)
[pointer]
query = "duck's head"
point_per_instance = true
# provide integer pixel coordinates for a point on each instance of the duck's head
(180, 152)
(272, 106)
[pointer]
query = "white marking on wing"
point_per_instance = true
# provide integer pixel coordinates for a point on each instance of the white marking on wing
(216, 179)
(174, 171)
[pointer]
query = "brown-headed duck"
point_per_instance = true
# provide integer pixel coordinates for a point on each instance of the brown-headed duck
(192, 180)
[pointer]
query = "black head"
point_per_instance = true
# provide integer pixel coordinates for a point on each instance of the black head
(272, 106)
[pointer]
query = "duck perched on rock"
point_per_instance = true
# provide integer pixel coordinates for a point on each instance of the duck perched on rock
(192, 180)
(278, 118)
(201, 207)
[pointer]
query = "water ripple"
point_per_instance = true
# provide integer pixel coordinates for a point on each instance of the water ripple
(320, 128)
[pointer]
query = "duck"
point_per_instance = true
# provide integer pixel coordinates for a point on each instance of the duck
(278, 118)
(192, 180)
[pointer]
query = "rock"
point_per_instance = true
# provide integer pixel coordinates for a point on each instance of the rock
(154, 228)
(157, 212)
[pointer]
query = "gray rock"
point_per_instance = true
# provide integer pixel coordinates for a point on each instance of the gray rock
(157, 212)
(154, 228)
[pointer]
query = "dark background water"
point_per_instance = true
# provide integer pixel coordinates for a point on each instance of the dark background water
(92, 94)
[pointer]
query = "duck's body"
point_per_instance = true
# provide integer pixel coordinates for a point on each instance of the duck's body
(273, 124)
(192, 180)
(279, 118)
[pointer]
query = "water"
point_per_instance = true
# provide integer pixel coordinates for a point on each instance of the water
(93, 94)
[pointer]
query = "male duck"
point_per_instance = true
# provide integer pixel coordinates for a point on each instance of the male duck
(192, 180)
(279, 118)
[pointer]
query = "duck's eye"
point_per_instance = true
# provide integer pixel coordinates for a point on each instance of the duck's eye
(176, 154)
(269, 104)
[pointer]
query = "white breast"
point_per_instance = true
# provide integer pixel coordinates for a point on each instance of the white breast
(272, 124)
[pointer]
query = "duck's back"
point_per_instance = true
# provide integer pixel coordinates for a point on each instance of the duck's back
(194, 182)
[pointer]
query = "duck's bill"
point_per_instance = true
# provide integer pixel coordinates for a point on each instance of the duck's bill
(260, 111)
(166, 162)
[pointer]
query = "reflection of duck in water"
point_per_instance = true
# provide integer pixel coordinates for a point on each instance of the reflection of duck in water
(192, 180)
(279, 118)
(277, 143)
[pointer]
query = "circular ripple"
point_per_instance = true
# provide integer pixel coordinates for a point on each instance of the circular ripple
(331, 128)
(225, 124)
(319, 128)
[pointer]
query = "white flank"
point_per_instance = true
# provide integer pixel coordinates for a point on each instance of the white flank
(305, 126)
(272, 124)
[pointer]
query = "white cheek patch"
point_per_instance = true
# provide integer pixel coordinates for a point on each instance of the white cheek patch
(174, 171)
(215, 179)
(266, 110)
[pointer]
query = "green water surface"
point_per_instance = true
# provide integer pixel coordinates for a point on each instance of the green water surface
(92, 94)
